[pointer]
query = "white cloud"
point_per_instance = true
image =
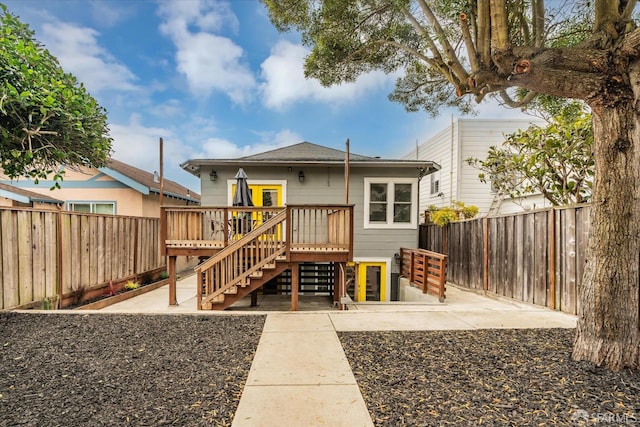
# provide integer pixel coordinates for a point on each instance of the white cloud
(138, 145)
(285, 83)
(217, 148)
(79, 53)
(209, 62)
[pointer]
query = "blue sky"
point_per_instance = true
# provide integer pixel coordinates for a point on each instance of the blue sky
(215, 79)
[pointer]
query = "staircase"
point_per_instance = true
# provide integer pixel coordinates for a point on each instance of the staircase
(243, 266)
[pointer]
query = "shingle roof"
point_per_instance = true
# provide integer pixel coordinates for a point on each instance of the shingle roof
(170, 188)
(8, 191)
(306, 151)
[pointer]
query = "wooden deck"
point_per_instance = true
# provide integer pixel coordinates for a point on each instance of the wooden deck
(247, 246)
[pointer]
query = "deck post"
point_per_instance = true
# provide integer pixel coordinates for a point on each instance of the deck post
(172, 280)
(337, 280)
(295, 283)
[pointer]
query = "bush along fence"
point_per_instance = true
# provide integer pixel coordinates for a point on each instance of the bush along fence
(50, 258)
(537, 257)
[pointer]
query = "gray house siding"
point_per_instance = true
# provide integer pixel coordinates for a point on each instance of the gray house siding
(323, 185)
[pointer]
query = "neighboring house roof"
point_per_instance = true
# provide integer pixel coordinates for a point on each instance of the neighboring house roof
(146, 182)
(25, 196)
(306, 153)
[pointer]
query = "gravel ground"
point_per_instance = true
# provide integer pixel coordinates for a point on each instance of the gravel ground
(123, 370)
(158, 370)
(486, 377)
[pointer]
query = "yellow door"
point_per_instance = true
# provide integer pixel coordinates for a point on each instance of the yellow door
(372, 281)
(263, 195)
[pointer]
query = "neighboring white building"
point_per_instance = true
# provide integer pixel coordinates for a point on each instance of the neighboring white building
(457, 180)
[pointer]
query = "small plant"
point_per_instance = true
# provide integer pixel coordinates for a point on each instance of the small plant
(50, 303)
(131, 285)
(164, 275)
(78, 294)
(443, 216)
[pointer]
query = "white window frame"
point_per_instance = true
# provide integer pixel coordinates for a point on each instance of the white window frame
(434, 183)
(92, 204)
(389, 224)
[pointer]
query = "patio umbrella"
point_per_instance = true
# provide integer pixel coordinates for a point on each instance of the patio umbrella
(242, 196)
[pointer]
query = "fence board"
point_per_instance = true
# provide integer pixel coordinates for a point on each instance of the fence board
(51, 254)
(518, 254)
(38, 256)
(25, 258)
(44, 251)
(9, 256)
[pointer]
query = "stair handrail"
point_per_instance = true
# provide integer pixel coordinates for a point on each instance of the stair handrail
(225, 254)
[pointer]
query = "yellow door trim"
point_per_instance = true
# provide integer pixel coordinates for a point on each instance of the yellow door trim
(362, 279)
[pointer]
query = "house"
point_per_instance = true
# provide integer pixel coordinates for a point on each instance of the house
(457, 180)
(116, 189)
(12, 196)
(383, 192)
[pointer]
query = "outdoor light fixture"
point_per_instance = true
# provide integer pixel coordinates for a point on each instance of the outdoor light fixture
(396, 257)
(213, 176)
(301, 176)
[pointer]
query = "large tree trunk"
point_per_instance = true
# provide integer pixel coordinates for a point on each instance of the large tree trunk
(609, 312)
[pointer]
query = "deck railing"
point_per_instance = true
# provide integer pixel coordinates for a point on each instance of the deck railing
(242, 240)
(210, 227)
(425, 269)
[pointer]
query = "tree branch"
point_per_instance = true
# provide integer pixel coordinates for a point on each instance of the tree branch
(453, 61)
(468, 41)
(628, 10)
(499, 26)
(484, 31)
(517, 104)
(537, 7)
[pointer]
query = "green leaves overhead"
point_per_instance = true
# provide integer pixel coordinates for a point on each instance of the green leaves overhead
(46, 117)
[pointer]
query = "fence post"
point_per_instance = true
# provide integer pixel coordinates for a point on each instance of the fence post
(485, 254)
(552, 259)
(59, 257)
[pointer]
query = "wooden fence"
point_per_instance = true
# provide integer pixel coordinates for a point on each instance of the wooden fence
(537, 257)
(49, 254)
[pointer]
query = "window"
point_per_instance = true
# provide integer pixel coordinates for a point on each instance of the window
(93, 207)
(390, 202)
(435, 183)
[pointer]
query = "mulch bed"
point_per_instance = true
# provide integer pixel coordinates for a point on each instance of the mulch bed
(125, 370)
(486, 377)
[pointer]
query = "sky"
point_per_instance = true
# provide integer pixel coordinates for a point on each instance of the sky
(215, 79)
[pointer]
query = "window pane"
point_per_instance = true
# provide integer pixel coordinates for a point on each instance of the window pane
(80, 207)
(401, 212)
(403, 192)
(377, 212)
(378, 192)
(104, 208)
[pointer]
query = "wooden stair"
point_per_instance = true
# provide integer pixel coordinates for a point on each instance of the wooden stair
(254, 282)
(243, 266)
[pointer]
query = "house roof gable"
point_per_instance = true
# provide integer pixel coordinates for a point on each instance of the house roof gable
(25, 196)
(145, 182)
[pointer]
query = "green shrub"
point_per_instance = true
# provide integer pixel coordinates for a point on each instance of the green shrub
(443, 216)
(131, 285)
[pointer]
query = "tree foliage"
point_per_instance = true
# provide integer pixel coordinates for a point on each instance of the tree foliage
(555, 161)
(47, 119)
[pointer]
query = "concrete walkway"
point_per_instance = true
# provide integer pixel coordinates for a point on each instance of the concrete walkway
(300, 374)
